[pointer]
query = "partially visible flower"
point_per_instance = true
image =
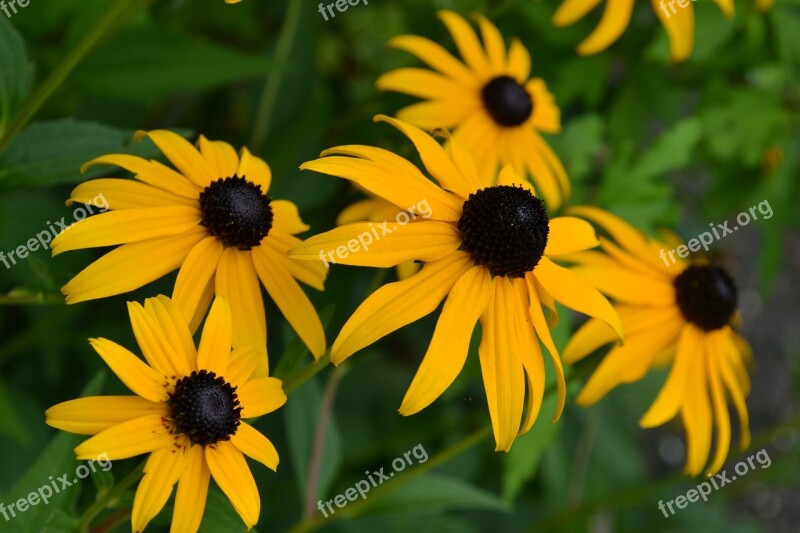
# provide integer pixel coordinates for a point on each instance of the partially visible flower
(188, 414)
(211, 218)
(496, 111)
(674, 313)
(678, 21)
(487, 248)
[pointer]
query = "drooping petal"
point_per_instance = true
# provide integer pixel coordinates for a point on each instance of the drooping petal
(261, 396)
(615, 19)
(539, 324)
(128, 439)
(132, 371)
(388, 309)
(571, 11)
(448, 349)
(290, 299)
(161, 472)
(131, 266)
(190, 498)
(253, 444)
(90, 416)
(196, 272)
(233, 476)
(696, 414)
(679, 24)
(722, 419)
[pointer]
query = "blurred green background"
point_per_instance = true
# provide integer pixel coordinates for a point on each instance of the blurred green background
(662, 145)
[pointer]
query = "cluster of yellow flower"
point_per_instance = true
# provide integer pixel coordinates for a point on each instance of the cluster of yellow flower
(490, 250)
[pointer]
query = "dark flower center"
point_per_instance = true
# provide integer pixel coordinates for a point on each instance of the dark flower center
(507, 101)
(205, 408)
(236, 212)
(706, 296)
(505, 229)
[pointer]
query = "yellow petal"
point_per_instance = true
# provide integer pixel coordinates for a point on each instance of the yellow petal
(287, 217)
(381, 245)
(312, 273)
(673, 393)
(569, 235)
(196, 272)
(129, 225)
(616, 17)
(436, 56)
(131, 266)
(572, 291)
(161, 472)
(176, 331)
(253, 444)
(493, 42)
(679, 26)
(261, 396)
(628, 287)
(132, 371)
(696, 414)
(501, 365)
(467, 42)
(220, 157)
(113, 193)
(721, 417)
(89, 416)
(233, 476)
(737, 397)
(423, 84)
(157, 348)
(533, 363)
(519, 61)
(182, 154)
(539, 323)
(291, 300)
(215, 343)
(448, 349)
(190, 498)
(433, 156)
(589, 337)
(571, 11)
(388, 309)
(255, 170)
(237, 281)
(128, 439)
(439, 113)
(151, 172)
(403, 189)
(465, 164)
(244, 361)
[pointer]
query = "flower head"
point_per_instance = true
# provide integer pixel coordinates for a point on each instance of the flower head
(188, 413)
(674, 312)
(212, 219)
(495, 110)
(487, 248)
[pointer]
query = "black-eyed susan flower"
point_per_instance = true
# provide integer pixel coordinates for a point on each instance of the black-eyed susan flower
(486, 247)
(674, 313)
(493, 107)
(211, 218)
(677, 19)
(188, 414)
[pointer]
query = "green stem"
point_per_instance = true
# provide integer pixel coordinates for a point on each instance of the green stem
(269, 97)
(105, 499)
(101, 29)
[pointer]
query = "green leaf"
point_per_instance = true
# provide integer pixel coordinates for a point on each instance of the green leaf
(433, 494)
(57, 460)
(220, 515)
(17, 72)
(302, 414)
(148, 64)
(52, 152)
(13, 426)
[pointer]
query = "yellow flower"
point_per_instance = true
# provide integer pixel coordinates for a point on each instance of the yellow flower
(187, 414)
(677, 20)
(211, 218)
(495, 111)
(674, 313)
(487, 247)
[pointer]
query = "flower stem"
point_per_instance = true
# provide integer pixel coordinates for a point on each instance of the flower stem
(107, 22)
(105, 499)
